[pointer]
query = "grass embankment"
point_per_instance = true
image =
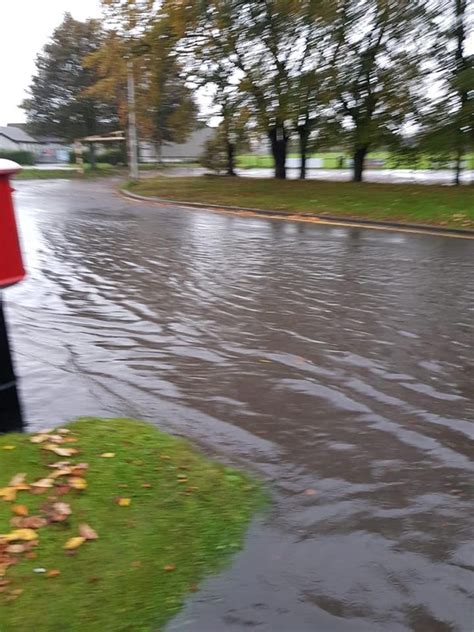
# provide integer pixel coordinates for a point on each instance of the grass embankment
(424, 204)
(164, 515)
(67, 174)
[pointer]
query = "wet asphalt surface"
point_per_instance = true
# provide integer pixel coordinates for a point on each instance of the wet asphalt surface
(327, 359)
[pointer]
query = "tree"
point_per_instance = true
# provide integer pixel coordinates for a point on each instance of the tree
(376, 70)
(165, 107)
(58, 104)
(449, 126)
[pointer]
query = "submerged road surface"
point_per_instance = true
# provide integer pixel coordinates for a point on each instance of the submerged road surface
(335, 362)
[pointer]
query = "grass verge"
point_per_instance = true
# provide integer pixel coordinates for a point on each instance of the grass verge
(424, 204)
(67, 174)
(180, 517)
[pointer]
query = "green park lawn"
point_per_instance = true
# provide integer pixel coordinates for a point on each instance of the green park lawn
(165, 517)
(425, 204)
(330, 160)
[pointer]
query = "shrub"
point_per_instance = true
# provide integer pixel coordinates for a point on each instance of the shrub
(21, 157)
(214, 156)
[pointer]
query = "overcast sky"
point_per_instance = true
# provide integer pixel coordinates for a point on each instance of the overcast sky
(25, 27)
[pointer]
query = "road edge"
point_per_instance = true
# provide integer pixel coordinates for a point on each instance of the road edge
(301, 216)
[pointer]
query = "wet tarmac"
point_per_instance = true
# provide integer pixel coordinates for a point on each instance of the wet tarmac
(336, 363)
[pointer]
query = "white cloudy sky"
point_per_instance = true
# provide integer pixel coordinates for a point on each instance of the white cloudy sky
(25, 26)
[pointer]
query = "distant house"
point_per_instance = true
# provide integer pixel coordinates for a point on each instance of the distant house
(189, 151)
(16, 139)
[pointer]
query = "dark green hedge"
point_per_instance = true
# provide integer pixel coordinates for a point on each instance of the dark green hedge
(21, 157)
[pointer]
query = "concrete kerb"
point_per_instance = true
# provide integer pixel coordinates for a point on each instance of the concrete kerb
(331, 220)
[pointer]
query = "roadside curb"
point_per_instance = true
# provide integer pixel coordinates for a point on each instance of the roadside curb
(322, 218)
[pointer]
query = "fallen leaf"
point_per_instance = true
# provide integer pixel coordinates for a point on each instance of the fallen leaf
(43, 483)
(21, 534)
(77, 482)
(74, 543)
(62, 508)
(34, 522)
(60, 451)
(20, 510)
(66, 471)
(54, 572)
(124, 502)
(61, 490)
(146, 485)
(108, 455)
(59, 464)
(8, 493)
(16, 548)
(39, 438)
(18, 479)
(169, 567)
(165, 457)
(63, 430)
(17, 522)
(87, 532)
(8, 447)
(31, 555)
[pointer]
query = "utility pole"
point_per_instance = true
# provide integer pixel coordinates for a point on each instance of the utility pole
(132, 122)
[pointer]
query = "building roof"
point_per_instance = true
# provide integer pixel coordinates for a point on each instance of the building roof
(16, 134)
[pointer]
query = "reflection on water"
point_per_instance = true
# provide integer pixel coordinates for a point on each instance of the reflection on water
(326, 358)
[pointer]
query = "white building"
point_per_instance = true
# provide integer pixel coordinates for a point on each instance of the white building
(16, 139)
(189, 151)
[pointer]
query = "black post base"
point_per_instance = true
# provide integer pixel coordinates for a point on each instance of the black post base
(11, 419)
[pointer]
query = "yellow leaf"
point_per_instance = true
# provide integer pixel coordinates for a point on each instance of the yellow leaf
(108, 455)
(124, 502)
(74, 543)
(8, 447)
(43, 483)
(20, 510)
(8, 493)
(54, 572)
(26, 535)
(77, 482)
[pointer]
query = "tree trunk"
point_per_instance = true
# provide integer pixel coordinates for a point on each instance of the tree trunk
(359, 159)
(303, 138)
(458, 167)
(230, 159)
(279, 142)
(92, 157)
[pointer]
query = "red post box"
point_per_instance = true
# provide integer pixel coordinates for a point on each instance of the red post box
(11, 264)
(11, 271)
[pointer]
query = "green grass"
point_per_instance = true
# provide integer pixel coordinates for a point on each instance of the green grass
(331, 160)
(425, 204)
(63, 174)
(119, 581)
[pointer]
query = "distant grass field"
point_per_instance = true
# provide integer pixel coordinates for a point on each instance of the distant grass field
(425, 204)
(331, 160)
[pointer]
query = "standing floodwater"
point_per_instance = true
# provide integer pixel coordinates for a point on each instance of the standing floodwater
(337, 362)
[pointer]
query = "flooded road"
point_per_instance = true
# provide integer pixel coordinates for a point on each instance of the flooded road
(335, 362)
